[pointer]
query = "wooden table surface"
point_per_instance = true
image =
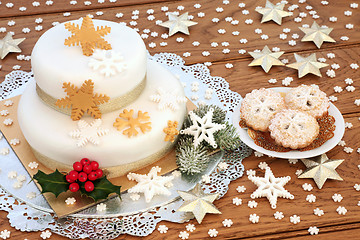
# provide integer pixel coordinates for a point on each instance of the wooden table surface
(242, 79)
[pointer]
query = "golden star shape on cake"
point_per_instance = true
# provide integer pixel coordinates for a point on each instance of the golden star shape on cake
(306, 65)
(82, 100)
(151, 184)
(8, 45)
(171, 131)
(317, 34)
(321, 168)
(178, 24)
(87, 36)
(127, 120)
(271, 187)
(198, 202)
(266, 59)
(273, 12)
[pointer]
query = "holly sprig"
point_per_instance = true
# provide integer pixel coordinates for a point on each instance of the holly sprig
(56, 183)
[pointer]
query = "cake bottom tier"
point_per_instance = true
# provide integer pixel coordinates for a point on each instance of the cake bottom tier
(48, 131)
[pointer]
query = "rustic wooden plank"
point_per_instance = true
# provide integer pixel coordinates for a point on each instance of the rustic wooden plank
(46, 7)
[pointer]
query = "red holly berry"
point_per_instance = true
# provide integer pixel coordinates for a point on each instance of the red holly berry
(99, 173)
(85, 161)
(92, 176)
(87, 168)
(94, 165)
(73, 175)
(74, 187)
(82, 177)
(68, 179)
(77, 166)
(89, 186)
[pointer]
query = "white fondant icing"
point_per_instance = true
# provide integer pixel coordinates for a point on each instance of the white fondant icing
(47, 130)
(53, 63)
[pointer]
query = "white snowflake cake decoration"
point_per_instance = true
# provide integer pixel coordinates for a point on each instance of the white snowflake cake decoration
(108, 62)
(203, 129)
(271, 187)
(88, 132)
(167, 99)
(150, 184)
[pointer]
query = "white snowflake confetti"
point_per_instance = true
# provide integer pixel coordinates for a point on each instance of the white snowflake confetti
(163, 228)
(46, 234)
(31, 195)
(294, 219)
(213, 232)
(14, 141)
(293, 161)
(337, 197)
(252, 204)
(227, 223)
(311, 198)
(278, 215)
(190, 227)
(318, 212)
(5, 234)
(307, 187)
(254, 218)
(237, 201)
(4, 151)
(101, 207)
(70, 201)
(241, 189)
(348, 150)
(341, 210)
(313, 230)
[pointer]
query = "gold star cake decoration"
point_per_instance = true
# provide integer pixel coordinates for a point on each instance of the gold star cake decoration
(321, 168)
(82, 100)
(178, 24)
(317, 34)
(306, 65)
(87, 36)
(198, 203)
(8, 45)
(273, 12)
(266, 59)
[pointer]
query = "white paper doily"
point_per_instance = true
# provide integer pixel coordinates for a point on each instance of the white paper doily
(28, 216)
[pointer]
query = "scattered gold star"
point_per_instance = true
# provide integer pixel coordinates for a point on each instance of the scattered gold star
(8, 45)
(199, 203)
(178, 24)
(306, 65)
(321, 168)
(317, 34)
(87, 36)
(273, 12)
(266, 59)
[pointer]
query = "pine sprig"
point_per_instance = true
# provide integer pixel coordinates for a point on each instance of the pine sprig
(191, 160)
(227, 138)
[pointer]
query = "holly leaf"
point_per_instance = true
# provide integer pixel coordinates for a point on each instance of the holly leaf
(54, 182)
(102, 189)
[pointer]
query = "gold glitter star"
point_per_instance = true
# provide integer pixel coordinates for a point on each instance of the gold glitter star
(321, 168)
(317, 34)
(178, 24)
(8, 45)
(198, 203)
(273, 12)
(306, 65)
(266, 59)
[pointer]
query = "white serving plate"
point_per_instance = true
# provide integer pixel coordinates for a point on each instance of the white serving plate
(294, 154)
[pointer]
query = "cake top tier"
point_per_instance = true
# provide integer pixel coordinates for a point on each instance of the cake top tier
(114, 58)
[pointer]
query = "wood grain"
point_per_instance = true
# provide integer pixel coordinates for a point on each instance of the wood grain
(241, 79)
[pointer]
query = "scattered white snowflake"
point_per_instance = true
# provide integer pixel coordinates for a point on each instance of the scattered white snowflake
(293, 161)
(250, 172)
(4, 151)
(349, 81)
(292, 43)
(271, 187)
(70, 201)
(307, 187)
(357, 187)
(237, 201)
(8, 122)
(17, 185)
(190, 227)
(46, 234)
(108, 62)
(150, 184)
(258, 31)
(31, 195)
(186, 54)
(342, 143)
(262, 165)
(318, 212)
(354, 65)
(8, 103)
(203, 129)
(331, 73)
(338, 89)
(206, 178)
(348, 149)
(227, 223)
(176, 173)
(223, 166)
(344, 38)
(313, 230)
(241, 5)
(12, 174)
(242, 51)
(276, 49)
(354, 5)
(252, 204)
(341, 210)
(14, 141)
(201, 14)
(278, 215)
(348, 125)
(88, 132)
(241, 189)
(213, 232)
(294, 219)
(258, 154)
(337, 197)
(298, 172)
(229, 65)
(5, 234)
(254, 218)
(134, 196)
(101, 207)
(311, 198)
(324, 2)
(348, 13)
(163, 228)
(243, 40)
